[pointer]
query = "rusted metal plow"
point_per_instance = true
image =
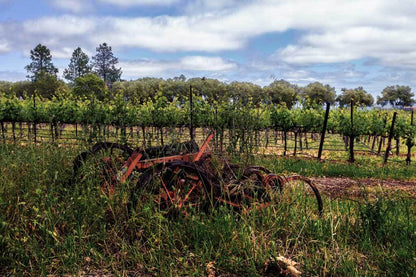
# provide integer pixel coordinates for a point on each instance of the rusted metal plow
(182, 175)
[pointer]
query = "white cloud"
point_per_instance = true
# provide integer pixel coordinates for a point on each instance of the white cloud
(80, 6)
(147, 67)
(204, 6)
(129, 3)
(144, 67)
(63, 26)
(332, 32)
(200, 63)
(390, 46)
(12, 76)
(163, 33)
(62, 53)
(4, 46)
(327, 32)
(297, 74)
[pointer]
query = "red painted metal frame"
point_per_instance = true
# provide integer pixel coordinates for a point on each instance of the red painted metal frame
(178, 197)
(134, 160)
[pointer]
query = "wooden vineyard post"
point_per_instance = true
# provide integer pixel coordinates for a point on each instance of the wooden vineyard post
(352, 137)
(191, 127)
(386, 155)
(216, 133)
(321, 144)
(3, 131)
(285, 142)
(35, 115)
(14, 130)
(374, 143)
(381, 137)
(409, 143)
(143, 135)
(51, 131)
(296, 143)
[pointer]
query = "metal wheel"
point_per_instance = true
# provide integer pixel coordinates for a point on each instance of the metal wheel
(247, 190)
(100, 165)
(302, 191)
(182, 186)
(259, 187)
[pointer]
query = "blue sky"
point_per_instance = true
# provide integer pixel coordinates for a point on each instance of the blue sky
(369, 43)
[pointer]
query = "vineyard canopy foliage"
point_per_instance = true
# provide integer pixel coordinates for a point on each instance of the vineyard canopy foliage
(238, 115)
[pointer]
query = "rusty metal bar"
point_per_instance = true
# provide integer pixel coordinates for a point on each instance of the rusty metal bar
(131, 164)
(204, 146)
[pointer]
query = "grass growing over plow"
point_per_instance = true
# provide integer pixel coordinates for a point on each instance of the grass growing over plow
(48, 226)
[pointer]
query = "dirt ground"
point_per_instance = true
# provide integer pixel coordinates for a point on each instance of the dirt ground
(336, 187)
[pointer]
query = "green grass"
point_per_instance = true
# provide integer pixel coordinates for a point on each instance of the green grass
(50, 227)
(364, 167)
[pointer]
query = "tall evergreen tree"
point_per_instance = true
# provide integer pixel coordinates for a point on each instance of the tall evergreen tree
(41, 64)
(78, 66)
(104, 64)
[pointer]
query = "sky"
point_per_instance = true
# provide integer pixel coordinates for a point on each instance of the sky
(346, 44)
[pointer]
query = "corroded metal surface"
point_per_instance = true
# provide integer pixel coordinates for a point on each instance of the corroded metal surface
(186, 176)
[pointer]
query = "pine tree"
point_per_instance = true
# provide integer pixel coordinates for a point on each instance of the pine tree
(41, 64)
(78, 66)
(104, 64)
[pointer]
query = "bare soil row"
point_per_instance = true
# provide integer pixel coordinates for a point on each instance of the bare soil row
(341, 187)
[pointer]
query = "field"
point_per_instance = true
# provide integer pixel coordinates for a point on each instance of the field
(52, 226)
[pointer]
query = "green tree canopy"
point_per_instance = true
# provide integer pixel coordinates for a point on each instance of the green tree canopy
(23, 89)
(47, 85)
(358, 95)
(41, 64)
(78, 65)
(211, 90)
(243, 91)
(104, 64)
(318, 94)
(89, 86)
(282, 92)
(396, 96)
(140, 90)
(174, 89)
(6, 87)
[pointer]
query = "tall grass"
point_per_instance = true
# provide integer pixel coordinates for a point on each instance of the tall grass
(50, 227)
(364, 167)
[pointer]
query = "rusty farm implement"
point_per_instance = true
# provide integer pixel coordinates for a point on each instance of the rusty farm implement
(183, 175)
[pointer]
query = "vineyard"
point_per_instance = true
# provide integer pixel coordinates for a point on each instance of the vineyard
(359, 159)
(242, 127)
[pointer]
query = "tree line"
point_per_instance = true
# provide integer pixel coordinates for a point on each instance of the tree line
(100, 78)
